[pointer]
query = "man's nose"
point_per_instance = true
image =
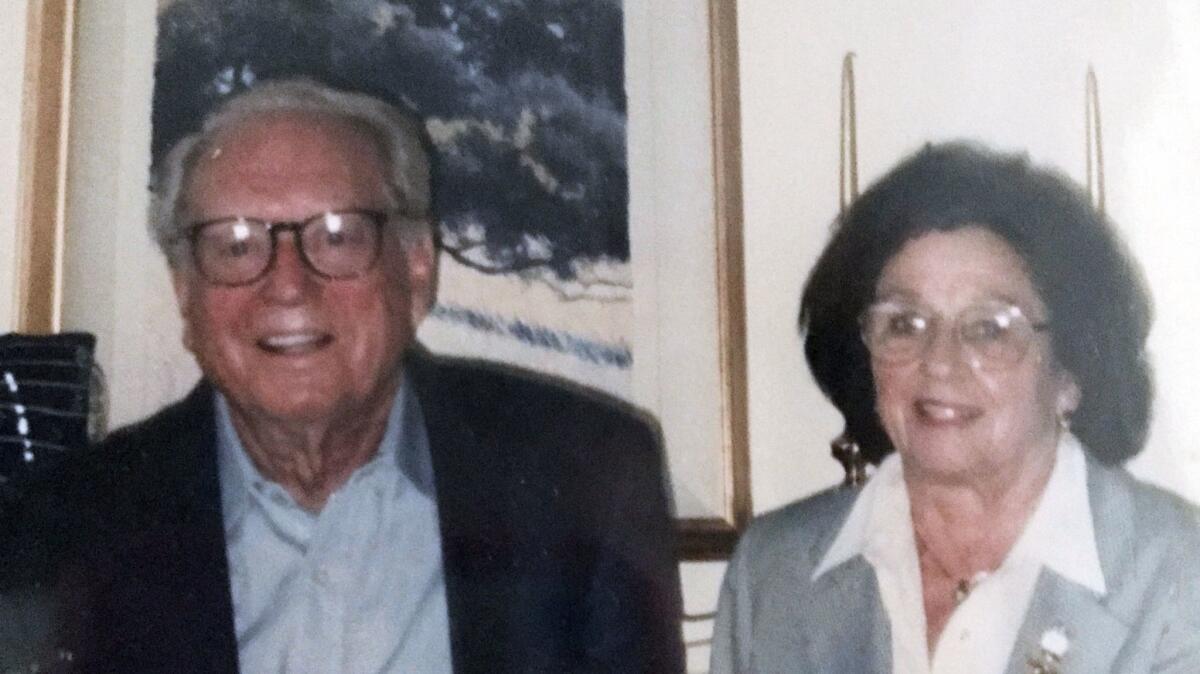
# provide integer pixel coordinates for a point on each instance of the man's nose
(289, 279)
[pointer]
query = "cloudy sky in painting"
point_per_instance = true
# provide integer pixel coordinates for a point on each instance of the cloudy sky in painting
(524, 100)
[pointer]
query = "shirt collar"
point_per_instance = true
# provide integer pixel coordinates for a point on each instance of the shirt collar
(879, 513)
(1059, 535)
(404, 449)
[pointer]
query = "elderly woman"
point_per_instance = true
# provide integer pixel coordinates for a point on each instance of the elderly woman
(974, 314)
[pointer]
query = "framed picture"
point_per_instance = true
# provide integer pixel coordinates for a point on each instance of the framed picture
(655, 319)
(686, 224)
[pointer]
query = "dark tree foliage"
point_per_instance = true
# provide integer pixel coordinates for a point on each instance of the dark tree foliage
(531, 90)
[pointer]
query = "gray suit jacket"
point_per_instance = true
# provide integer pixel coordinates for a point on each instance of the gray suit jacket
(774, 618)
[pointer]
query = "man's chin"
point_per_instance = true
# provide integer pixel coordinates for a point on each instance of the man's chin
(286, 395)
(288, 404)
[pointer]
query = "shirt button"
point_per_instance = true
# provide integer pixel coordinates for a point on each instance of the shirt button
(323, 577)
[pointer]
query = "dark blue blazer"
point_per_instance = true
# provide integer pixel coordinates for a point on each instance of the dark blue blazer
(557, 543)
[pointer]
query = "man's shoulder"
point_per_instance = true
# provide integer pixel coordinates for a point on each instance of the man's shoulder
(143, 458)
(129, 465)
(504, 397)
(179, 420)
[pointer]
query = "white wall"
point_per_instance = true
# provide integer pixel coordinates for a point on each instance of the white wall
(12, 77)
(115, 282)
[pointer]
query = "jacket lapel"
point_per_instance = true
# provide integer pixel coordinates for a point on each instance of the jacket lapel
(1096, 627)
(156, 589)
(1094, 633)
(850, 631)
(177, 588)
(474, 522)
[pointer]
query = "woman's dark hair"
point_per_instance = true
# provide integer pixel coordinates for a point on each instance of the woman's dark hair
(1099, 307)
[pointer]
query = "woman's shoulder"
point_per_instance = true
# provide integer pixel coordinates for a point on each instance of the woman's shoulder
(808, 515)
(1142, 529)
(1147, 539)
(799, 532)
(1117, 495)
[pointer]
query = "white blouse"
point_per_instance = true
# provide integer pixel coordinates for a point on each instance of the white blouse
(979, 637)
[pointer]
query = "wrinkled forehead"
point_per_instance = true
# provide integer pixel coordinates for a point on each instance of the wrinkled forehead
(273, 154)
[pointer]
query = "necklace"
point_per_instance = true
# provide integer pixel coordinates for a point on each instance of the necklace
(962, 585)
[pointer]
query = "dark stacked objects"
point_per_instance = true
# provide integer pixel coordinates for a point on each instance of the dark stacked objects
(45, 382)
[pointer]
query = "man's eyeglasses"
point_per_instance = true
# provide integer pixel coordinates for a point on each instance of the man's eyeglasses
(993, 335)
(334, 245)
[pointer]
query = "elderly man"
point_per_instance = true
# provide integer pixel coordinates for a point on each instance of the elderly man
(331, 498)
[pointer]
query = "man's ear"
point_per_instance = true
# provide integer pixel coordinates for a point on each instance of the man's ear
(421, 264)
(184, 286)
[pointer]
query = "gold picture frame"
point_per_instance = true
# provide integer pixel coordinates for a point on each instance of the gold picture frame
(714, 538)
(42, 173)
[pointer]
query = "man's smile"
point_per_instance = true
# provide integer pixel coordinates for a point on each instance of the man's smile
(294, 343)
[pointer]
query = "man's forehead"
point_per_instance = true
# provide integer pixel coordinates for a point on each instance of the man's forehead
(288, 135)
(286, 156)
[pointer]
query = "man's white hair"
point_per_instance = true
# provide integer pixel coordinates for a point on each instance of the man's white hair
(398, 134)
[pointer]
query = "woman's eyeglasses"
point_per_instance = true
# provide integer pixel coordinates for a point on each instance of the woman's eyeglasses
(993, 335)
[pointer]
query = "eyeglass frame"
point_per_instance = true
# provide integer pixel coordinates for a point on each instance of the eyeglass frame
(978, 360)
(296, 227)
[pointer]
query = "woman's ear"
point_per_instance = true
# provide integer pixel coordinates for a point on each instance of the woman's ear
(1068, 396)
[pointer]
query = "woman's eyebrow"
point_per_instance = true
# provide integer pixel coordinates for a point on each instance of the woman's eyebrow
(895, 294)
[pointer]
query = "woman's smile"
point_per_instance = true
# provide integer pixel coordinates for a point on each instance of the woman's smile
(942, 413)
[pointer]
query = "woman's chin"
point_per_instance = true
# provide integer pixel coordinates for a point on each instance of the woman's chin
(939, 439)
(942, 459)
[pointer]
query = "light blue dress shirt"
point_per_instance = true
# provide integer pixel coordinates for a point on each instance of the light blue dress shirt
(357, 587)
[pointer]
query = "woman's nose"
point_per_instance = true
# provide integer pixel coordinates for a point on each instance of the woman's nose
(944, 352)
